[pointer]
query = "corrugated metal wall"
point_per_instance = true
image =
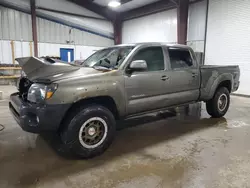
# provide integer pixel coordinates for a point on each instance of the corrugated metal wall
(80, 52)
(24, 49)
(66, 6)
(102, 27)
(16, 26)
(52, 32)
(159, 27)
(21, 49)
(228, 36)
(162, 27)
(196, 25)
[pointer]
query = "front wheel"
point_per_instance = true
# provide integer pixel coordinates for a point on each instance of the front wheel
(217, 107)
(90, 132)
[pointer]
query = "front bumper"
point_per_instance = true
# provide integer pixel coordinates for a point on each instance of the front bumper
(36, 118)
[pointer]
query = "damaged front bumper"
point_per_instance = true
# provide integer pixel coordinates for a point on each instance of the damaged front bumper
(36, 118)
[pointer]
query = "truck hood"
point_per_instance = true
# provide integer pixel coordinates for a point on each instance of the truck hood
(40, 69)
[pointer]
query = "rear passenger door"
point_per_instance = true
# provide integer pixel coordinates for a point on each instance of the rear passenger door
(184, 76)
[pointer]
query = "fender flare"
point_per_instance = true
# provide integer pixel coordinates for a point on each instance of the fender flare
(218, 81)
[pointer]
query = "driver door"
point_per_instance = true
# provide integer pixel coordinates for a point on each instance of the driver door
(145, 89)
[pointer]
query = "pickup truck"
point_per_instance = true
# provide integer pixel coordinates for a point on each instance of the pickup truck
(82, 102)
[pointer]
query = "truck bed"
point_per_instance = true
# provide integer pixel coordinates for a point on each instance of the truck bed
(212, 75)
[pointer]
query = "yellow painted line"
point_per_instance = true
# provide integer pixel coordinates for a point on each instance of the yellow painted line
(10, 68)
(11, 77)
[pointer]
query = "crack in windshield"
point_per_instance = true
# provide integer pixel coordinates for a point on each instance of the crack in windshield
(110, 58)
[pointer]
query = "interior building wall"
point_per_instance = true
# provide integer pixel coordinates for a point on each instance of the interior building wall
(52, 32)
(80, 52)
(98, 27)
(228, 37)
(197, 25)
(24, 49)
(16, 29)
(162, 27)
(159, 27)
(65, 6)
(60, 5)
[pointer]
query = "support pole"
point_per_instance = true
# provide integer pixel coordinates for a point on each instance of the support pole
(205, 38)
(182, 21)
(118, 30)
(34, 27)
(31, 50)
(12, 51)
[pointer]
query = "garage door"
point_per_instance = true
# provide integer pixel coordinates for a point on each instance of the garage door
(228, 37)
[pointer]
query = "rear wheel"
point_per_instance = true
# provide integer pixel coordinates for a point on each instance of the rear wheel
(90, 132)
(219, 104)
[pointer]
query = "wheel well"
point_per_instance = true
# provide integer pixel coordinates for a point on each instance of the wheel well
(227, 84)
(105, 101)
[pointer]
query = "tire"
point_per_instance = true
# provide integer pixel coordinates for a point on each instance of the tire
(78, 129)
(215, 107)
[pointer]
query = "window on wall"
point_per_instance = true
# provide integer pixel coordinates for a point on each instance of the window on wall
(180, 58)
(153, 57)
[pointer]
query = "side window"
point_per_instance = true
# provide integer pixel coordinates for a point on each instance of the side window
(180, 58)
(153, 57)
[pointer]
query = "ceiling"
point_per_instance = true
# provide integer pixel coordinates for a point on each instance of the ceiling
(126, 6)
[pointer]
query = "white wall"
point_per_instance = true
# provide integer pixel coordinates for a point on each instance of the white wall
(196, 25)
(52, 32)
(23, 49)
(104, 26)
(80, 52)
(159, 27)
(16, 26)
(228, 36)
(99, 26)
(162, 27)
(66, 6)
(61, 5)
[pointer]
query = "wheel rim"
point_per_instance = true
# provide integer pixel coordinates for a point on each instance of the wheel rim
(93, 132)
(222, 102)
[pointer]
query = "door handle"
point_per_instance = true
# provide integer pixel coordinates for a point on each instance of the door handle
(194, 75)
(164, 78)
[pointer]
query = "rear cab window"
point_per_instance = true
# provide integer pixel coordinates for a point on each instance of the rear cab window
(180, 58)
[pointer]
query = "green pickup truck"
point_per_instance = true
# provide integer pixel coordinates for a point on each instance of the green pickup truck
(82, 102)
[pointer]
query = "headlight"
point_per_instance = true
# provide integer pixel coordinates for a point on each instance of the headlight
(40, 92)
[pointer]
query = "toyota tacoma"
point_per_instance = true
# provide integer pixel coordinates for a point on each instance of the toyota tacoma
(83, 102)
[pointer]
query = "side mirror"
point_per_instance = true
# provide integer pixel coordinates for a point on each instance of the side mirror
(138, 65)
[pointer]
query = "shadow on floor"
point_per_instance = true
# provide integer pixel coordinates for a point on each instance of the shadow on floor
(134, 135)
(144, 131)
(191, 112)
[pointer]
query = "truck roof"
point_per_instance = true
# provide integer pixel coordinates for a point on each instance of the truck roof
(155, 43)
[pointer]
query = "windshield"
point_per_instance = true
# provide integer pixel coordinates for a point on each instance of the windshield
(110, 58)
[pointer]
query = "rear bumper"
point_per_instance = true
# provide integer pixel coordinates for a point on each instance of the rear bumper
(36, 118)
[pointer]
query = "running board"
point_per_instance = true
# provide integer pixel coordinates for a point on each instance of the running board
(155, 111)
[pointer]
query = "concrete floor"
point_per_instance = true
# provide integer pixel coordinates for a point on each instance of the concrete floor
(189, 150)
